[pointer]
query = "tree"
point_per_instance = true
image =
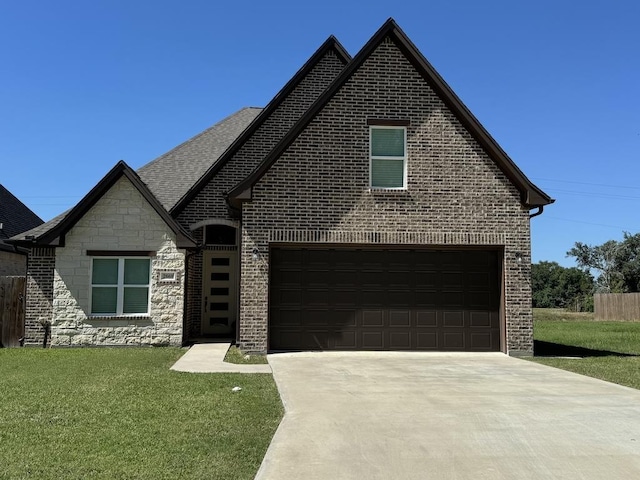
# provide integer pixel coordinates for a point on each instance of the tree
(618, 263)
(555, 286)
(601, 258)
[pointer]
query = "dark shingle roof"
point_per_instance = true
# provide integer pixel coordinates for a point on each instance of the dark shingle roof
(15, 217)
(171, 175)
(166, 176)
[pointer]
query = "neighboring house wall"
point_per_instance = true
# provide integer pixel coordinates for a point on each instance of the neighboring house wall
(12, 264)
(121, 220)
(210, 202)
(317, 192)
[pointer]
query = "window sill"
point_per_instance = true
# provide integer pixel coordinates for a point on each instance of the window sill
(141, 316)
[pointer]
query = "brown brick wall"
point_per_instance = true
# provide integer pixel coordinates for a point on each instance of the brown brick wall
(39, 300)
(456, 194)
(210, 202)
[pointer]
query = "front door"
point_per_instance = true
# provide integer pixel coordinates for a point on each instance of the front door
(219, 282)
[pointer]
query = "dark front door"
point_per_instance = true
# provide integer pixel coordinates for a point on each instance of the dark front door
(384, 299)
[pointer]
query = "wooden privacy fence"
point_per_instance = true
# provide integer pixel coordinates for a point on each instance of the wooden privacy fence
(11, 311)
(617, 306)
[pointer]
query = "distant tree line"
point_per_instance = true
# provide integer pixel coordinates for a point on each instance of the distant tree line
(555, 286)
(613, 267)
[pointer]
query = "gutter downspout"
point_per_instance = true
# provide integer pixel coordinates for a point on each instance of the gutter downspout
(539, 212)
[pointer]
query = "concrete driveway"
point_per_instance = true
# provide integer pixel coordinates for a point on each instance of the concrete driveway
(448, 416)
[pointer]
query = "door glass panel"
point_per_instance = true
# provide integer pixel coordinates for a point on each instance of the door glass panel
(219, 306)
(220, 276)
(219, 291)
(220, 261)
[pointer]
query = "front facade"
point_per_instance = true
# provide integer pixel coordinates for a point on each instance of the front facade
(363, 208)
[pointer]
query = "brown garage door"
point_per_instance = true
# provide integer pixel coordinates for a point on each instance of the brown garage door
(384, 299)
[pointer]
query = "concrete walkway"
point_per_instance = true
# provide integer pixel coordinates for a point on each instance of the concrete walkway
(448, 416)
(209, 358)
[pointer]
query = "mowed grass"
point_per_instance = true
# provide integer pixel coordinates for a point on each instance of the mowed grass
(121, 413)
(608, 350)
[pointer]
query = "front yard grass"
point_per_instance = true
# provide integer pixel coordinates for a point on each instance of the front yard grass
(121, 413)
(606, 350)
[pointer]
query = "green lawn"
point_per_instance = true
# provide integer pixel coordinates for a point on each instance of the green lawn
(605, 350)
(121, 413)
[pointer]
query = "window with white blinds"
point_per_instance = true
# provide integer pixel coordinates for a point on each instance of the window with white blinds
(388, 157)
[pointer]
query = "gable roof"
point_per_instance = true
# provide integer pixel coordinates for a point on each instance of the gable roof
(331, 44)
(193, 158)
(15, 218)
(53, 232)
(531, 196)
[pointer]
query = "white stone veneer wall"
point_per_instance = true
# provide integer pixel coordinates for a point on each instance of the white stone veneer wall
(121, 220)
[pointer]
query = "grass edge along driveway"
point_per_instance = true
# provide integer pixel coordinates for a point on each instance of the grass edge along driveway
(606, 350)
(121, 413)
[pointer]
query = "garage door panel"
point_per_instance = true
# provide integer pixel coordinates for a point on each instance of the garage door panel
(346, 340)
(480, 300)
(288, 317)
(384, 299)
(479, 319)
(453, 319)
(288, 297)
(426, 318)
(348, 278)
(427, 279)
(400, 340)
(372, 298)
(427, 340)
(372, 340)
(453, 340)
(399, 297)
(480, 341)
(399, 318)
(316, 297)
(426, 299)
(397, 278)
(345, 318)
(451, 299)
(344, 297)
(452, 280)
(372, 318)
(317, 317)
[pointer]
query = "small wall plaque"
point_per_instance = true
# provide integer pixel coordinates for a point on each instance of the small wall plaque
(168, 276)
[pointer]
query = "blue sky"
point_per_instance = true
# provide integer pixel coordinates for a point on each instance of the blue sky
(84, 84)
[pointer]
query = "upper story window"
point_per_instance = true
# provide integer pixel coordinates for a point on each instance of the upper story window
(120, 286)
(388, 157)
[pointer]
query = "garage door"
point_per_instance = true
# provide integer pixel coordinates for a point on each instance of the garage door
(382, 299)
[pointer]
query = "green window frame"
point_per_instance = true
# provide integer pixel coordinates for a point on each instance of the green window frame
(388, 157)
(120, 286)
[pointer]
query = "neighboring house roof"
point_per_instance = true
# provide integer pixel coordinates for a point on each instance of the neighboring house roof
(15, 218)
(172, 175)
(53, 232)
(531, 196)
(331, 43)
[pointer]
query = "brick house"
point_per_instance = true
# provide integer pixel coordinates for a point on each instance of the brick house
(364, 207)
